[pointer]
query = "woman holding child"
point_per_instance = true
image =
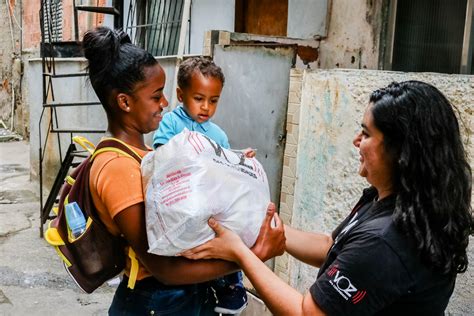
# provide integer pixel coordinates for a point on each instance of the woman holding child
(400, 249)
(129, 82)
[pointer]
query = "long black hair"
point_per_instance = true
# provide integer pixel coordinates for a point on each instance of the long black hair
(432, 177)
(115, 64)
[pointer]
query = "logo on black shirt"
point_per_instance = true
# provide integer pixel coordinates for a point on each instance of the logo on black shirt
(344, 286)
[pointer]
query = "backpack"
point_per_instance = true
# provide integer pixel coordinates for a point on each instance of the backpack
(96, 255)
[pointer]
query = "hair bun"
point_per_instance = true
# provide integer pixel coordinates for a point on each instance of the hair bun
(123, 37)
(101, 46)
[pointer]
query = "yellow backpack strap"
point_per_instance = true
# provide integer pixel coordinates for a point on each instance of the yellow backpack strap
(133, 269)
(110, 148)
(123, 143)
(85, 143)
(70, 180)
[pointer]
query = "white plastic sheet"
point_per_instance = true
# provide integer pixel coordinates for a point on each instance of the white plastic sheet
(190, 179)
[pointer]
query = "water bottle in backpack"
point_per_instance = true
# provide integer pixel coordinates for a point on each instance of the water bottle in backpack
(75, 219)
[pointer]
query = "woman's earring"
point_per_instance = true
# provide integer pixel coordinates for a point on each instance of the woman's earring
(127, 107)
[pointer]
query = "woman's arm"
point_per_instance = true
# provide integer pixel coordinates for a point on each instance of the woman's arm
(179, 270)
(168, 270)
(311, 248)
(280, 298)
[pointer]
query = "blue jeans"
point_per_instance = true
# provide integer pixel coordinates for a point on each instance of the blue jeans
(151, 297)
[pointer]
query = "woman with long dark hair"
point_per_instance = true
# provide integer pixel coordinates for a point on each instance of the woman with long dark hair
(401, 247)
(129, 83)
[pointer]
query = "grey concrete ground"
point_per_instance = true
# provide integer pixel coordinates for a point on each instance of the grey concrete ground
(32, 279)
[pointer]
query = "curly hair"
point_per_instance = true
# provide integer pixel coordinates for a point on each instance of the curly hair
(204, 65)
(432, 176)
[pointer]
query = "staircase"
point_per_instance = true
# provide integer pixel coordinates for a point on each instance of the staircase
(52, 47)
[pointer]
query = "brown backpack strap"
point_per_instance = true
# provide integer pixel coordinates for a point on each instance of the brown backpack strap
(108, 145)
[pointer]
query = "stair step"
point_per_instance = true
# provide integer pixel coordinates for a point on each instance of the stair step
(77, 74)
(61, 104)
(105, 10)
(83, 131)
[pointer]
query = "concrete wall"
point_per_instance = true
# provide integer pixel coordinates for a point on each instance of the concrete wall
(10, 66)
(308, 19)
(330, 34)
(320, 181)
(353, 37)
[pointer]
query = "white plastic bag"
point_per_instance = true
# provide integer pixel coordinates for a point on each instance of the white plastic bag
(190, 179)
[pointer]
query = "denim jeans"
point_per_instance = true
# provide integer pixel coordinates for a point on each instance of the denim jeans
(150, 297)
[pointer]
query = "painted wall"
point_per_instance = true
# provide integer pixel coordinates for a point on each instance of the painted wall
(67, 90)
(320, 181)
(209, 15)
(307, 19)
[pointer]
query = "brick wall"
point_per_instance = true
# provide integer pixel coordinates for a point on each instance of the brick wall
(282, 268)
(31, 25)
(31, 22)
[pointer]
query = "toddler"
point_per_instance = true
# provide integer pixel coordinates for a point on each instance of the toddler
(200, 83)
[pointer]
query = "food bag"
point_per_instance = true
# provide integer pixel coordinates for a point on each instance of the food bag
(190, 179)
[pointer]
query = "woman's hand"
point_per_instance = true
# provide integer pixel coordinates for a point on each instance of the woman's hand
(226, 245)
(271, 240)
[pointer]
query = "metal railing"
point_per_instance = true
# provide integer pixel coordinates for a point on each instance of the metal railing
(155, 25)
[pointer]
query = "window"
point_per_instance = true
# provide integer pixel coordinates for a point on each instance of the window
(52, 20)
(154, 24)
(430, 36)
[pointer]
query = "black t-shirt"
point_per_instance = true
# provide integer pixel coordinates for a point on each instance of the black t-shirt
(374, 269)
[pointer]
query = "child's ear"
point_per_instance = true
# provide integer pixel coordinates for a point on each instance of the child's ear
(122, 101)
(179, 94)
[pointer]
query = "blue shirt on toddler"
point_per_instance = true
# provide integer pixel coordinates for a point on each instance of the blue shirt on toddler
(174, 123)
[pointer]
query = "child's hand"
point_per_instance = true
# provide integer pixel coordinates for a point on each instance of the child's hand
(250, 152)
